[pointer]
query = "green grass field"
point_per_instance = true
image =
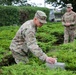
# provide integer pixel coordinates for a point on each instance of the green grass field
(50, 39)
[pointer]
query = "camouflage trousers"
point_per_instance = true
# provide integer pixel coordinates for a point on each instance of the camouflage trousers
(20, 57)
(69, 34)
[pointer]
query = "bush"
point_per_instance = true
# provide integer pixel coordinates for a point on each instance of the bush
(5, 40)
(9, 15)
(47, 36)
(27, 13)
(65, 53)
(12, 15)
(6, 37)
(33, 69)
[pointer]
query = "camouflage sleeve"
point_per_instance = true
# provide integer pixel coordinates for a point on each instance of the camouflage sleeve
(74, 20)
(63, 22)
(32, 45)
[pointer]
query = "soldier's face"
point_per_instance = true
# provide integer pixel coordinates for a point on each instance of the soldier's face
(38, 23)
(69, 9)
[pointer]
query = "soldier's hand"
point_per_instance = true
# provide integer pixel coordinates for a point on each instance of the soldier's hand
(51, 60)
(67, 24)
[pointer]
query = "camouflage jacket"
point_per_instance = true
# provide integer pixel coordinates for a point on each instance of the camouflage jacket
(25, 41)
(69, 17)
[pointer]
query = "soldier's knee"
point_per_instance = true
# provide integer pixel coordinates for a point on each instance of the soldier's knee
(21, 61)
(65, 40)
(17, 61)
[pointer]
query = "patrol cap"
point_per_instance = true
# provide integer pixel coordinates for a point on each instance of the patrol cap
(41, 16)
(69, 6)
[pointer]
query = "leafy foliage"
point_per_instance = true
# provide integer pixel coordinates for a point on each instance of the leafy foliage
(12, 15)
(11, 2)
(62, 2)
(48, 38)
(65, 53)
(9, 15)
(33, 69)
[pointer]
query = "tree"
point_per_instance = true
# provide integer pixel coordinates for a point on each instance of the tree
(21, 2)
(6, 2)
(62, 2)
(11, 2)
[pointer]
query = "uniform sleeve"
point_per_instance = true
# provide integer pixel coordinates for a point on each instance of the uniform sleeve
(63, 22)
(32, 44)
(74, 20)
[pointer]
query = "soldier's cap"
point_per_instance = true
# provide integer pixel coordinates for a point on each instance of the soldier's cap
(69, 6)
(41, 16)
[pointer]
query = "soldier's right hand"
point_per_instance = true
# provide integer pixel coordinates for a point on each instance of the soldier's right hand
(67, 24)
(51, 60)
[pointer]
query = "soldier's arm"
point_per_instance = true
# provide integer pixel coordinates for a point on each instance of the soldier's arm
(63, 22)
(74, 20)
(32, 44)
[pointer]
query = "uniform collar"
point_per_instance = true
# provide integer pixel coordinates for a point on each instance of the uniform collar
(34, 25)
(70, 12)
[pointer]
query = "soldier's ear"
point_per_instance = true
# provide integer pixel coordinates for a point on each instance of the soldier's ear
(35, 18)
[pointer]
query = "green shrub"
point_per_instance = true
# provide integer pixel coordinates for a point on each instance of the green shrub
(6, 35)
(9, 15)
(12, 15)
(46, 37)
(33, 69)
(27, 13)
(65, 53)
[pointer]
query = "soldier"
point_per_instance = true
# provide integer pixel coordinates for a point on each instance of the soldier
(69, 21)
(25, 41)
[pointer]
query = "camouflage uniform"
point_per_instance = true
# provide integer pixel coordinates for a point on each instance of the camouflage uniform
(25, 42)
(69, 31)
